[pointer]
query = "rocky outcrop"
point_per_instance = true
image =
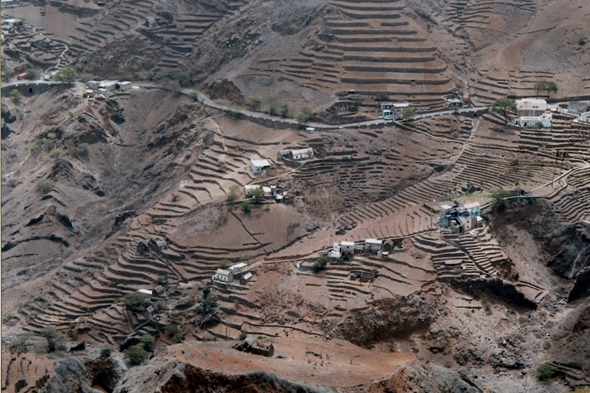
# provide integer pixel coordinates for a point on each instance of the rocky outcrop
(177, 377)
(505, 290)
(581, 286)
(397, 317)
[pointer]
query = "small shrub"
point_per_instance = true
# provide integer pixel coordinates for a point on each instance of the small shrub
(66, 75)
(515, 162)
(545, 371)
(56, 153)
(162, 280)
(106, 352)
(582, 41)
(243, 334)
(22, 272)
(43, 186)
(194, 96)
(136, 354)
(255, 102)
(224, 263)
(53, 336)
(273, 110)
(83, 149)
(233, 193)
(147, 342)
(15, 95)
(175, 197)
(244, 258)
(32, 73)
(304, 115)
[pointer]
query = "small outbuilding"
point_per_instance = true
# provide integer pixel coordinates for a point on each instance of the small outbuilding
(373, 245)
(259, 166)
(347, 247)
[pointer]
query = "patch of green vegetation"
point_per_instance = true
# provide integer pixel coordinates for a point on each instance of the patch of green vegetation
(246, 206)
(83, 149)
(245, 258)
(243, 334)
(499, 202)
(168, 76)
(544, 371)
(66, 75)
(255, 102)
(175, 197)
(515, 162)
(224, 263)
(194, 96)
(304, 115)
(147, 342)
(106, 352)
(234, 191)
(53, 336)
(319, 265)
(136, 355)
(132, 301)
(43, 186)
(15, 95)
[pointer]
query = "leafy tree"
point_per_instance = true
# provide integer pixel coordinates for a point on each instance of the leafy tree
(66, 75)
(169, 75)
(246, 206)
(255, 102)
(7, 73)
(15, 95)
(549, 87)
(319, 265)
(147, 342)
(194, 96)
(545, 371)
(515, 162)
(503, 106)
(499, 202)
(171, 330)
(106, 352)
(304, 114)
(243, 334)
(381, 96)
(136, 354)
(162, 280)
(53, 337)
(32, 73)
(132, 301)
(284, 110)
(258, 194)
(44, 185)
(409, 113)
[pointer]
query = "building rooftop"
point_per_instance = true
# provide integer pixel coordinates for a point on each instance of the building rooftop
(471, 205)
(260, 162)
(222, 272)
(373, 241)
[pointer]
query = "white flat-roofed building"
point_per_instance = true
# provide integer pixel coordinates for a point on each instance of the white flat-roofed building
(347, 247)
(532, 112)
(373, 245)
(259, 166)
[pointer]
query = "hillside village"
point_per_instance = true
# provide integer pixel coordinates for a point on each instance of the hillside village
(394, 223)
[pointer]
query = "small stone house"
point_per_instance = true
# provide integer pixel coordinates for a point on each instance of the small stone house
(373, 246)
(259, 166)
(223, 276)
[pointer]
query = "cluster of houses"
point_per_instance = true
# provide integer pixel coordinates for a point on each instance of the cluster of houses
(260, 165)
(460, 218)
(108, 85)
(536, 112)
(380, 248)
(235, 272)
(272, 192)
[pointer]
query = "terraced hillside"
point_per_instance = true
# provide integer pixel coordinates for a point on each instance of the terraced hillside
(372, 48)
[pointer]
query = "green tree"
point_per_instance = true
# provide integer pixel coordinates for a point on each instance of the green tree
(168, 76)
(409, 113)
(147, 342)
(136, 354)
(243, 334)
(132, 301)
(32, 73)
(171, 330)
(246, 206)
(515, 162)
(258, 194)
(304, 114)
(15, 95)
(194, 96)
(499, 202)
(319, 265)
(255, 102)
(284, 110)
(224, 263)
(549, 87)
(66, 75)
(106, 352)
(53, 337)
(545, 371)
(503, 106)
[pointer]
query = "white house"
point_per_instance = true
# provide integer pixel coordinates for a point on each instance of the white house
(259, 166)
(301, 154)
(453, 101)
(347, 247)
(392, 110)
(223, 276)
(335, 252)
(146, 293)
(237, 267)
(584, 117)
(532, 111)
(373, 245)
(460, 218)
